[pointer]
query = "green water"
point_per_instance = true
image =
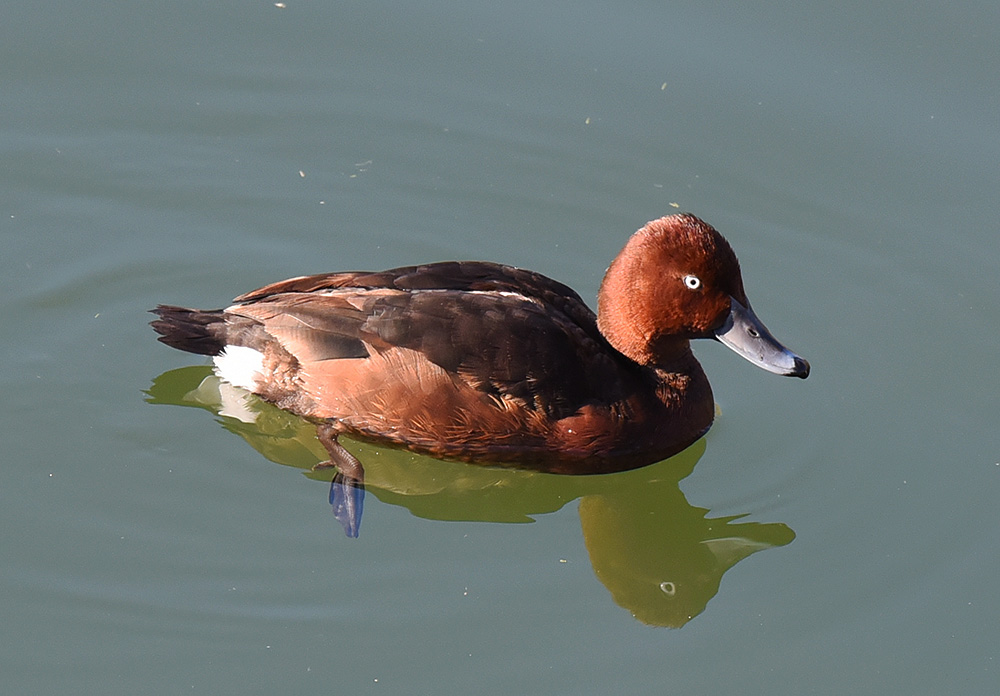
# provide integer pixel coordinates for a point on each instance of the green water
(829, 536)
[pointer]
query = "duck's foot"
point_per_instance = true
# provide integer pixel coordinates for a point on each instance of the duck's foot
(347, 498)
(347, 490)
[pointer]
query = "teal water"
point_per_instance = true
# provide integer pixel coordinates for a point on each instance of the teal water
(829, 536)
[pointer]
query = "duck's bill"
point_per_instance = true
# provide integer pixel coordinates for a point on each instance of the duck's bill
(744, 333)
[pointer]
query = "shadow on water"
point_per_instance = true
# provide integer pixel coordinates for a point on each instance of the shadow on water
(660, 557)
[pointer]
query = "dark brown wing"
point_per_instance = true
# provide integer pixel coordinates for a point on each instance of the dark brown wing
(448, 275)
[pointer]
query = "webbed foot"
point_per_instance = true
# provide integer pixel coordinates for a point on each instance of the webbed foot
(347, 498)
(347, 490)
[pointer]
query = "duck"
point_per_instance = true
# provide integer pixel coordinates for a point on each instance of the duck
(495, 364)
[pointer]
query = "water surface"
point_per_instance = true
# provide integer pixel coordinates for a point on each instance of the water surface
(830, 536)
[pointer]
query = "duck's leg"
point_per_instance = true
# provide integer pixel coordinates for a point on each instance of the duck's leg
(347, 490)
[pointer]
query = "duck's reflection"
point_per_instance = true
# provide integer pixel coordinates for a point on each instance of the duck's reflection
(660, 557)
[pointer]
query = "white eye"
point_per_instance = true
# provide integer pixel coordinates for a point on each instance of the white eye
(692, 282)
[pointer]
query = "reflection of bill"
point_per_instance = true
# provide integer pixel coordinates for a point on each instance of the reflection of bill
(660, 557)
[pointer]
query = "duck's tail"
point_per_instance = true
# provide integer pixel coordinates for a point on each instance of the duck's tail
(192, 330)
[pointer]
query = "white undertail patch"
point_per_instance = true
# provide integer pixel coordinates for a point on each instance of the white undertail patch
(240, 366)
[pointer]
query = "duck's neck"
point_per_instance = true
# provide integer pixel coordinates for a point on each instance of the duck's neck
(627, 318)
(675, 375)
(637, 342)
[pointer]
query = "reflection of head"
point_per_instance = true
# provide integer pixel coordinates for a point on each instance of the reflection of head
(663, 582)
(659, 557)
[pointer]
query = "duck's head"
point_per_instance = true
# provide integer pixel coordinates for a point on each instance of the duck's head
(678, 279)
